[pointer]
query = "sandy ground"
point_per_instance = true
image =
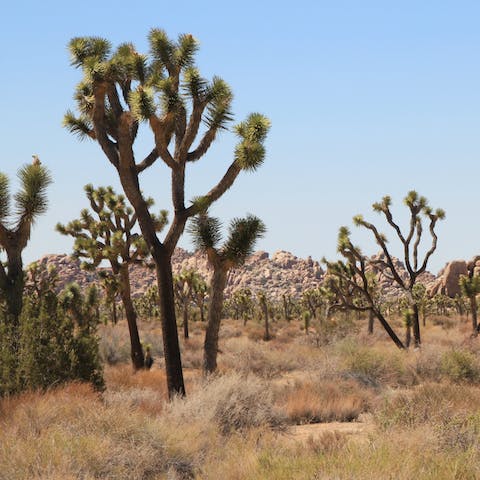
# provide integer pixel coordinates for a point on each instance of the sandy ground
(357, 431)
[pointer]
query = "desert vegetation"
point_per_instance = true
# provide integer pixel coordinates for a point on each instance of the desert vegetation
(99, 382)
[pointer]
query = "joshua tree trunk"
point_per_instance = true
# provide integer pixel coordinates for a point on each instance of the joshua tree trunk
(416, 326)
(408, 335)
(185, 319)
(171, 346)
(219, 282)
(473, 308)
(371, 319)
(388, 329)
(266, 335)
(136, 351)
(12, 286)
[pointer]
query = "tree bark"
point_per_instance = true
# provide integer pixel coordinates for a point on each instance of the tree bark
(473, 308)
(136, 350)
(266, 336)
(389, 330)
(219, 282)
(371, 319)
(185, 319)
(171, 346)
(416, 326)
(14, 283)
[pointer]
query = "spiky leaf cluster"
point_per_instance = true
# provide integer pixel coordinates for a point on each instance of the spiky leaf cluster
(242, 235)
(30, 200)
(107, 234)
(250, 152)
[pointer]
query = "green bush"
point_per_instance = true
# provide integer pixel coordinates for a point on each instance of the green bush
(460, 366)
(50, 346)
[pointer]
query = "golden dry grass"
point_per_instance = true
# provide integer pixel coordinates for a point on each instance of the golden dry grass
(424, 405)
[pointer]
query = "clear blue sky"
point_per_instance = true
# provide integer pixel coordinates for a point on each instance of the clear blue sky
(365, 98)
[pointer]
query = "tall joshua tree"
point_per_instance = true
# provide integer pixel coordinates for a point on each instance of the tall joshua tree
(110, 237)
(410, 241)
(206, 233)
(29, 202)
(121, 89)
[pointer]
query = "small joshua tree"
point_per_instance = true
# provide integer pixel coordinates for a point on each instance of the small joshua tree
(30, 202)
(470, 288)
(110, 237)
(183, 286)
(206, 232)
(410, 241)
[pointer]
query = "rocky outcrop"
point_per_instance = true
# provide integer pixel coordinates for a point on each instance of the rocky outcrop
(448, 278)
(283, 273)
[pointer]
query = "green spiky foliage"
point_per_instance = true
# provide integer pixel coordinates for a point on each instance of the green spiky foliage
(16, 221)
(420, 212)
(353, 285)
(107, 233)
(470, 288)
(185, 112)
(242, 236)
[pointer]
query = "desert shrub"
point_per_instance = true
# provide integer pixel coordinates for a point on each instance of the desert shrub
(460, 366)
(50, 346)
(232, 402)
(459, 432)
(426, 363)
(264, 360)
(426, 404)
(325, 401)
(114, 346)
(373, 366)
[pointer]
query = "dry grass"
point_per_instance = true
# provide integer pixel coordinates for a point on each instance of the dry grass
(424, 402)
(325, 401)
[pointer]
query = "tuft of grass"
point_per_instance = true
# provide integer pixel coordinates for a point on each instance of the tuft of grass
(232, 402)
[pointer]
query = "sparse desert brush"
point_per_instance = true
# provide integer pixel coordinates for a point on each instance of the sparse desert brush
(192, 352)
(378, 365)
(428, 403)
(71, 433)
(122, 377)
(265, 359)
(233, 402)
(325, 400)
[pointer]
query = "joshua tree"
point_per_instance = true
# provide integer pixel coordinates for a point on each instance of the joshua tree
(263, 300)
(410, 241)
(200, 291)
(243, 233)
(121, 89)
(470, 288)
(352, 283)
(183, 286)
(110, 237)
(30, 202)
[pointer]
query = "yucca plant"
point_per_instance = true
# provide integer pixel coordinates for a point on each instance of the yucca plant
(16, 222)
(185, 112)
(206, 234)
